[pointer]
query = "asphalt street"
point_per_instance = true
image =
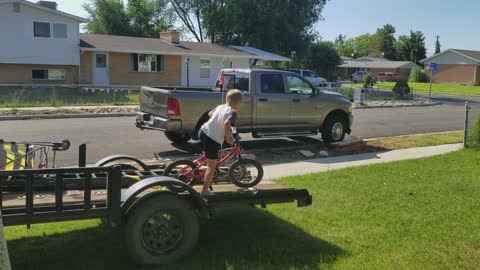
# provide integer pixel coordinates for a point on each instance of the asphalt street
(109, 136)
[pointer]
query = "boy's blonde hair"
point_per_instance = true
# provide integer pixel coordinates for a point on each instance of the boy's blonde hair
(234, 97)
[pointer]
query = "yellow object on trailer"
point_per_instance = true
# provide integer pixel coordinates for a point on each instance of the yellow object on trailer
(15, 157)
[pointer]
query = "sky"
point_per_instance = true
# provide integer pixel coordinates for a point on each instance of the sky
(456, 22)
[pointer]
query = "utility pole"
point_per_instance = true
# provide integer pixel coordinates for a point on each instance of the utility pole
(437, 44)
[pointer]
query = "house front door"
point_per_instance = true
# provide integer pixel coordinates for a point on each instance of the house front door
(100, 69)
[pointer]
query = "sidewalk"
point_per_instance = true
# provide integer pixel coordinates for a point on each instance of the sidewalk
(335, 163)
(25, 113)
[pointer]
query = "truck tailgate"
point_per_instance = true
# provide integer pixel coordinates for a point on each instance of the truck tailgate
(154, 100)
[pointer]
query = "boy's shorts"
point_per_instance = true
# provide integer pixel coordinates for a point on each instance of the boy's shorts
(210, 146)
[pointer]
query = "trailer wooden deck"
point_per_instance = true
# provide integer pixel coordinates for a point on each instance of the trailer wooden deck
(225, 195)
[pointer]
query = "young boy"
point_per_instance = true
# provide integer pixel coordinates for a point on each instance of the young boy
(217, 130)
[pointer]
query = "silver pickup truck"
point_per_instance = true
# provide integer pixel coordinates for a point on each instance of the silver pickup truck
(276, 103)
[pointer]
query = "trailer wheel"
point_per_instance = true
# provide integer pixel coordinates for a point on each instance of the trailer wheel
(161, 230)
(177, 137)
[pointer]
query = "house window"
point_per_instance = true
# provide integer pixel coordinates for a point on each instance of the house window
(41, 29)
(59, 30)
(205, 68)
(48, 74)
(147, 62)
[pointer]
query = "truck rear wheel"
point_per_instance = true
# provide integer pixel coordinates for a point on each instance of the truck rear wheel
(177, 137)
(161, 230)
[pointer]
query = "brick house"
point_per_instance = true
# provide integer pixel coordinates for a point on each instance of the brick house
(375, 65)
(455, 66)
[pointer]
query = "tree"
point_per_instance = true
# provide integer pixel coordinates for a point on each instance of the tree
(189, 12)
(274, 25)
(412, 48)
(107, 17)
(141, 18)
(323, 58)
(438, 47)
(340, 41)
(384, 41)
(417, 75)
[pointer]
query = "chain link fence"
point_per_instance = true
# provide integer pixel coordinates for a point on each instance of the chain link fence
(54, 95)
(376, 94)
(472, 125)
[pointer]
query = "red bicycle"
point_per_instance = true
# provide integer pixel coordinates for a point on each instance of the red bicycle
(244, 172)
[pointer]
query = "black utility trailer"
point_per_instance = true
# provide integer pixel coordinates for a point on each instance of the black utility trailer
(160, 225)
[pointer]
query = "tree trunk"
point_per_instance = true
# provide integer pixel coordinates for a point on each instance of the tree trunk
(4, 259)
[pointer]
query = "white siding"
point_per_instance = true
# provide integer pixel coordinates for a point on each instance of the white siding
(451, 58)
(217, 63)
(19, 46)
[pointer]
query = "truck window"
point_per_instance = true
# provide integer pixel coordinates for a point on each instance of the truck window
(272, 83)
(298, 86)
(234, 80)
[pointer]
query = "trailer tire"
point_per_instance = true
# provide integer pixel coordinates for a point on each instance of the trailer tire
(177, 137)
(161, 230)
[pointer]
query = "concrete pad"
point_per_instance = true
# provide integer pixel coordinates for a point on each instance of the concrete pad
(340, 162)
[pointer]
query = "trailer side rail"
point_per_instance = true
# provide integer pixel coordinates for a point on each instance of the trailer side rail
(32, 214)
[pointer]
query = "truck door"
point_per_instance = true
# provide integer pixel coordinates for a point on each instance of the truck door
(272, 101)
(305, 107)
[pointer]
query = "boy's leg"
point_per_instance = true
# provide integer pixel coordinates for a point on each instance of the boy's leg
(211, 165)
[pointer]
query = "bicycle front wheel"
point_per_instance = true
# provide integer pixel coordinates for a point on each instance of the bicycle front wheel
(246, 173)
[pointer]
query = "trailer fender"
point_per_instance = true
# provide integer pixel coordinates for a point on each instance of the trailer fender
(129, 197)
(109, 159)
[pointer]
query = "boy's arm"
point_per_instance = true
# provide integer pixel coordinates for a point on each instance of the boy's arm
(228, 131)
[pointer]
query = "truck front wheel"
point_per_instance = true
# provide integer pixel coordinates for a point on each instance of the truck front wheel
(177, 137)
(161, 230)
(334, 129)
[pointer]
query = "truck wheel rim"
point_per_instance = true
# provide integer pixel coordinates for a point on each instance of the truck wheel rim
(162, 232)
(337, 131)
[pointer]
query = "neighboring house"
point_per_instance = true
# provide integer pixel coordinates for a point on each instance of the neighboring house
(39, 44)
(43, 45)
(374, 66)
(455, 66)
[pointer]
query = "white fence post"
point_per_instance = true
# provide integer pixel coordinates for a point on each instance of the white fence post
(4, 259)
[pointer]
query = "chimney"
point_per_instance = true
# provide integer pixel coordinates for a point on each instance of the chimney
(171, 36)
(48, 4)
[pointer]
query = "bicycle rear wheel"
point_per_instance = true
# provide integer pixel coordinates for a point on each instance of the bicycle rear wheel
(179, 169)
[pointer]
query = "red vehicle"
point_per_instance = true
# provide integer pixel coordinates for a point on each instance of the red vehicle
(387, 77)
(244, 172)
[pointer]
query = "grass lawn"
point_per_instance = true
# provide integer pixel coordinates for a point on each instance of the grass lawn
(439, 88)
(417, 214)
(63, 96)
(410, 141)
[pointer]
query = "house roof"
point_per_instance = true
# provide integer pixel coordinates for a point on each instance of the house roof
(265, 55)
(125, 44)
(377, 64)
(371, 59)
(474, 55)
(55, 11)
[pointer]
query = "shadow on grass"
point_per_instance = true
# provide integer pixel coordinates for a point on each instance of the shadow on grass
(236, 238)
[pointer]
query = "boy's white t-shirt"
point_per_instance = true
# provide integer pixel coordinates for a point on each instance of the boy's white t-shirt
(215, 126)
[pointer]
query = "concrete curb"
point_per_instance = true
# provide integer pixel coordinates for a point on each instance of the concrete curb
(63, 116)
(400, 106)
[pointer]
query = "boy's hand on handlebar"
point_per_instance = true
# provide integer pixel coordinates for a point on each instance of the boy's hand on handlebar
(229, 140)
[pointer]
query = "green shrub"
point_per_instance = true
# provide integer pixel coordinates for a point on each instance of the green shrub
(348, 92)
(401, 88)
(368, 81)
(417, 75)
(473, 139)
